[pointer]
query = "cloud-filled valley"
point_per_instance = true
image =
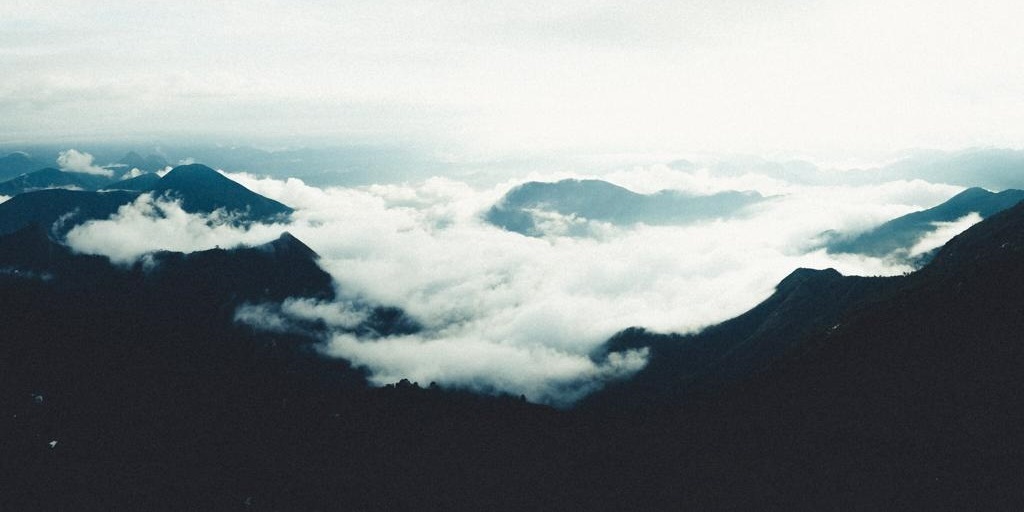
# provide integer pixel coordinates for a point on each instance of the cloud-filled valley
(503, 312)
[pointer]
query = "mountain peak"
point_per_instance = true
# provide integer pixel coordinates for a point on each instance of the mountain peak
(288, 244)
(194, 171)
(802, 275)
(202, 189)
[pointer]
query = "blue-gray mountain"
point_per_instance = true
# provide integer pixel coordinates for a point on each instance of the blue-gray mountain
(200, 189)
(17, 163)
(522, 209)
(49, 178)
(902, 233)
(148, 163)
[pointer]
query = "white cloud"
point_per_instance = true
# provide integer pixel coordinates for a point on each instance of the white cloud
(134, 173)
(73, 160)
(511, 313)
(149, 224)
(943, 232)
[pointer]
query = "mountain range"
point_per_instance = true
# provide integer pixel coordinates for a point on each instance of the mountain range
(523, 208)
(138, 388)
(199, 189)
(899, 235)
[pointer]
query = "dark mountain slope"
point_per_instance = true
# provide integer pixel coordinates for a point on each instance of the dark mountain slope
(915, 397)
(869, 394)
(204, 190)
(903, 232)
(59, 209)
(805, 302)
(603, 201)
(52, 178)
(199, 188)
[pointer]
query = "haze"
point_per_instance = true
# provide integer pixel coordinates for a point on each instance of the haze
(488, 81)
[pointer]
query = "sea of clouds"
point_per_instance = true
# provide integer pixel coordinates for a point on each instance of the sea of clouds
(502, 312)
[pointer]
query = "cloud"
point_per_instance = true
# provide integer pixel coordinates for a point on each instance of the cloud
(147, 224)
(504, 312)
(540, 372)
(135, 172)
(943, 232)
(72, 160)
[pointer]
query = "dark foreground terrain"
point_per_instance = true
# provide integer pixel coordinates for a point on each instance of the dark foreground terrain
(134, 389)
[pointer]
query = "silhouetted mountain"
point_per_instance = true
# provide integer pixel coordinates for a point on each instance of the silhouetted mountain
(17, 163)
(900, 392)
(204, 190)
(602, 201)
(695, 365)
(52, 178)
(902, 233)
(141, 183)
(134, 388)
(199, 188)
(149, 163)
(60, 210)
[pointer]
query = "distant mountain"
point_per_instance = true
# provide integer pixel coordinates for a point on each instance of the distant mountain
(60, 210)
(52, 178)
(902, 233)
(204, 190)
(521, 209)
(993, 168)
(15, 164)
(199, 188)
(149, 163)
(141, 183)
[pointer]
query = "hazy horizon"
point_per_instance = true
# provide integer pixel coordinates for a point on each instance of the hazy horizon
(468, 83)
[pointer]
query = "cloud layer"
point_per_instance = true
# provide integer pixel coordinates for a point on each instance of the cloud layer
(505, 312)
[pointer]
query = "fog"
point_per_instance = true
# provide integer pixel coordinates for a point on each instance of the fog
(502, 312)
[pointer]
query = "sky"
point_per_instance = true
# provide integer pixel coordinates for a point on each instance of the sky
(494, 80)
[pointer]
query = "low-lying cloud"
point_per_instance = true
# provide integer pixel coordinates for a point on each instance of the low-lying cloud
(149, 224)
(510, 313)
(72, 160)
(943, 232)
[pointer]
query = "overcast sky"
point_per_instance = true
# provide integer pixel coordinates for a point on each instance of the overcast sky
(493, 79)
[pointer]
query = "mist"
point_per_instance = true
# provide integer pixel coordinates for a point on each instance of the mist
(502, 312)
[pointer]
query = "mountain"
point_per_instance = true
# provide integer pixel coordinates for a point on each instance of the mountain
(686, 367)
(149, 163)
(918, 393)
(204, 190)
(900, 392)
(17, 163)
(523, 208)
(52, 178)
(140, 183)
(993, 168)
(902, 233)
(135, 388)
(59, 209)
(199, 188)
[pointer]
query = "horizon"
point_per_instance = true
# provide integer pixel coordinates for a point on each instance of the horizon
(461, 83)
